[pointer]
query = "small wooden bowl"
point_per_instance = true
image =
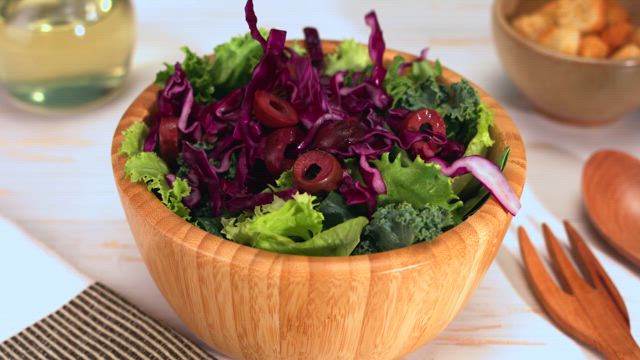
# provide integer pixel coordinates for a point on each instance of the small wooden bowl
(568, 88)
(253, 304)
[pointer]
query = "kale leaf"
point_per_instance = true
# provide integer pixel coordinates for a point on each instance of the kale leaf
(399, 225)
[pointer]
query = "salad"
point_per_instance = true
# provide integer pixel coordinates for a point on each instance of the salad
(289, 149)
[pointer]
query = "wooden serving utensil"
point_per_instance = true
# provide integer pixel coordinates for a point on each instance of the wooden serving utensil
(590, 311)
(611, 192)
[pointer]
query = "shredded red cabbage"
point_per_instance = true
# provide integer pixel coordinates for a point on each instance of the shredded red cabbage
(371, 176)
(314, 47)
(376, 50)
(355, 193)
(228, 172)
(252, 21)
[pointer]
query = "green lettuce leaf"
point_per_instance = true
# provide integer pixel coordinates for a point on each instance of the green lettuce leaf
(479, 144)
(163, 75)
(234, 62)
(283, 182)
(349, 55)
(339, 240)
(231, 68)
(134, 137)
(294, 227)
(423, 70)
(144, 166)
(296, 218)
(172, 197)
(298, 48)
(199, 71)
(415, 182)
(482, 140)
(149, 168)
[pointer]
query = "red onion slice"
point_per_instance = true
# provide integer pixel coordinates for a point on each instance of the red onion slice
(488, 174)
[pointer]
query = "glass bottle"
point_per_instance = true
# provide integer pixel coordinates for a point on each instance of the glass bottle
(62, 54)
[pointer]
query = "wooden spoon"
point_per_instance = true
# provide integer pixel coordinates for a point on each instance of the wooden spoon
(611, 192)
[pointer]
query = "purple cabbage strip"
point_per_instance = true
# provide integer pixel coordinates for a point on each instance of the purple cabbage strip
(184, 113)
(225, 163)
(250, 201)
(376, 49)
(170, 178)
(303, 83)
(372, 176)
(447, 149)
(151, 141)
(263, 75)
(242, 171)
(376, 95)
(221, 115)
(176, 99)
(198, 159)
(336, 82)
(355, 193)
(311, 133)
(487, 173)
(252, 21)
(201, 177)
(314, 47)
(193, 199)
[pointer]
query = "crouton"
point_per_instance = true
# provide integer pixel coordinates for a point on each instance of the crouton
(584, 15)
(593, 46)
(616, 13)
(630, 51)
(549, 10)
(636, 36)
(563, 39)
(532, 26)
(618, 34)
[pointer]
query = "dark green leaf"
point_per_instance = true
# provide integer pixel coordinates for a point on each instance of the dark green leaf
(335, 210)
(473, 204)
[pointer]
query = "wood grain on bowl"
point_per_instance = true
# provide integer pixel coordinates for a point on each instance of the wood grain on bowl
(253, 304)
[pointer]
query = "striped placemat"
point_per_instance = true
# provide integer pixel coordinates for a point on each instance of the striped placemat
(99, 324)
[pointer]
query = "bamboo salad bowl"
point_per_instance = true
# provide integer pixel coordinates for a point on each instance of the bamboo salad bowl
(253, 304)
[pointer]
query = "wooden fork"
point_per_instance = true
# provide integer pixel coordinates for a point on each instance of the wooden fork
(592, 312)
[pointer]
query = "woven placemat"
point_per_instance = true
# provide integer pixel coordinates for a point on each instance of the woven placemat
(99, 324)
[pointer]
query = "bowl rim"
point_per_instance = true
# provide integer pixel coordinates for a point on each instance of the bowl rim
(501, 19)
(176, 228)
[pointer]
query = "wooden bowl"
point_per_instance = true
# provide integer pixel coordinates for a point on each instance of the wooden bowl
(253, 304)
(568, 88)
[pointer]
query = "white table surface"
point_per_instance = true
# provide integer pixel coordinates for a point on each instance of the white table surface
(57, 183)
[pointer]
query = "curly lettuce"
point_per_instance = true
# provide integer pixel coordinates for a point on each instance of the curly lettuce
(349, 55)
(213, 78)
(134, 137)
(415, 182)
(482, 140)
(149, 168)
(294, 227)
